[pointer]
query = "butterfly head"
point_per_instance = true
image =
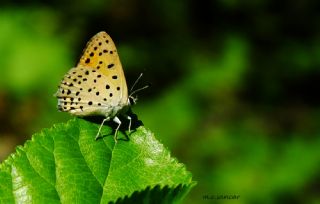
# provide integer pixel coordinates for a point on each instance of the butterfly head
(132, 100)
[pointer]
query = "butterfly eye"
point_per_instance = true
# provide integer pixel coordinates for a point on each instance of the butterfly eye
(132, 100)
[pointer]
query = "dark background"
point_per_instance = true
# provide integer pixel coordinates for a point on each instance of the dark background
(234, 90)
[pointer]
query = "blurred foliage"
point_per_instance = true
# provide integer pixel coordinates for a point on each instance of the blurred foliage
(234, 84)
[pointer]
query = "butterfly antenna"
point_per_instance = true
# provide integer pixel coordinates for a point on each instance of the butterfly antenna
(135, 83)
(137, 90)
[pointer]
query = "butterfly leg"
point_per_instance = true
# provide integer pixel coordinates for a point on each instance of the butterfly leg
(104, 120)
(130, 119)
(116, 120)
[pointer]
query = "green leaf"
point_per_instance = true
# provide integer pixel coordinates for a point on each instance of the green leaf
(65, 164)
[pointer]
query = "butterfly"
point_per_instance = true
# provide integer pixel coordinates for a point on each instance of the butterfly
(97, 85)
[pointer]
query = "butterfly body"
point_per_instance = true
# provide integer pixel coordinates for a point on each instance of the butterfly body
(97, 85)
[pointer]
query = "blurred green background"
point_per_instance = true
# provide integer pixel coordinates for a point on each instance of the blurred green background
(234, 84)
